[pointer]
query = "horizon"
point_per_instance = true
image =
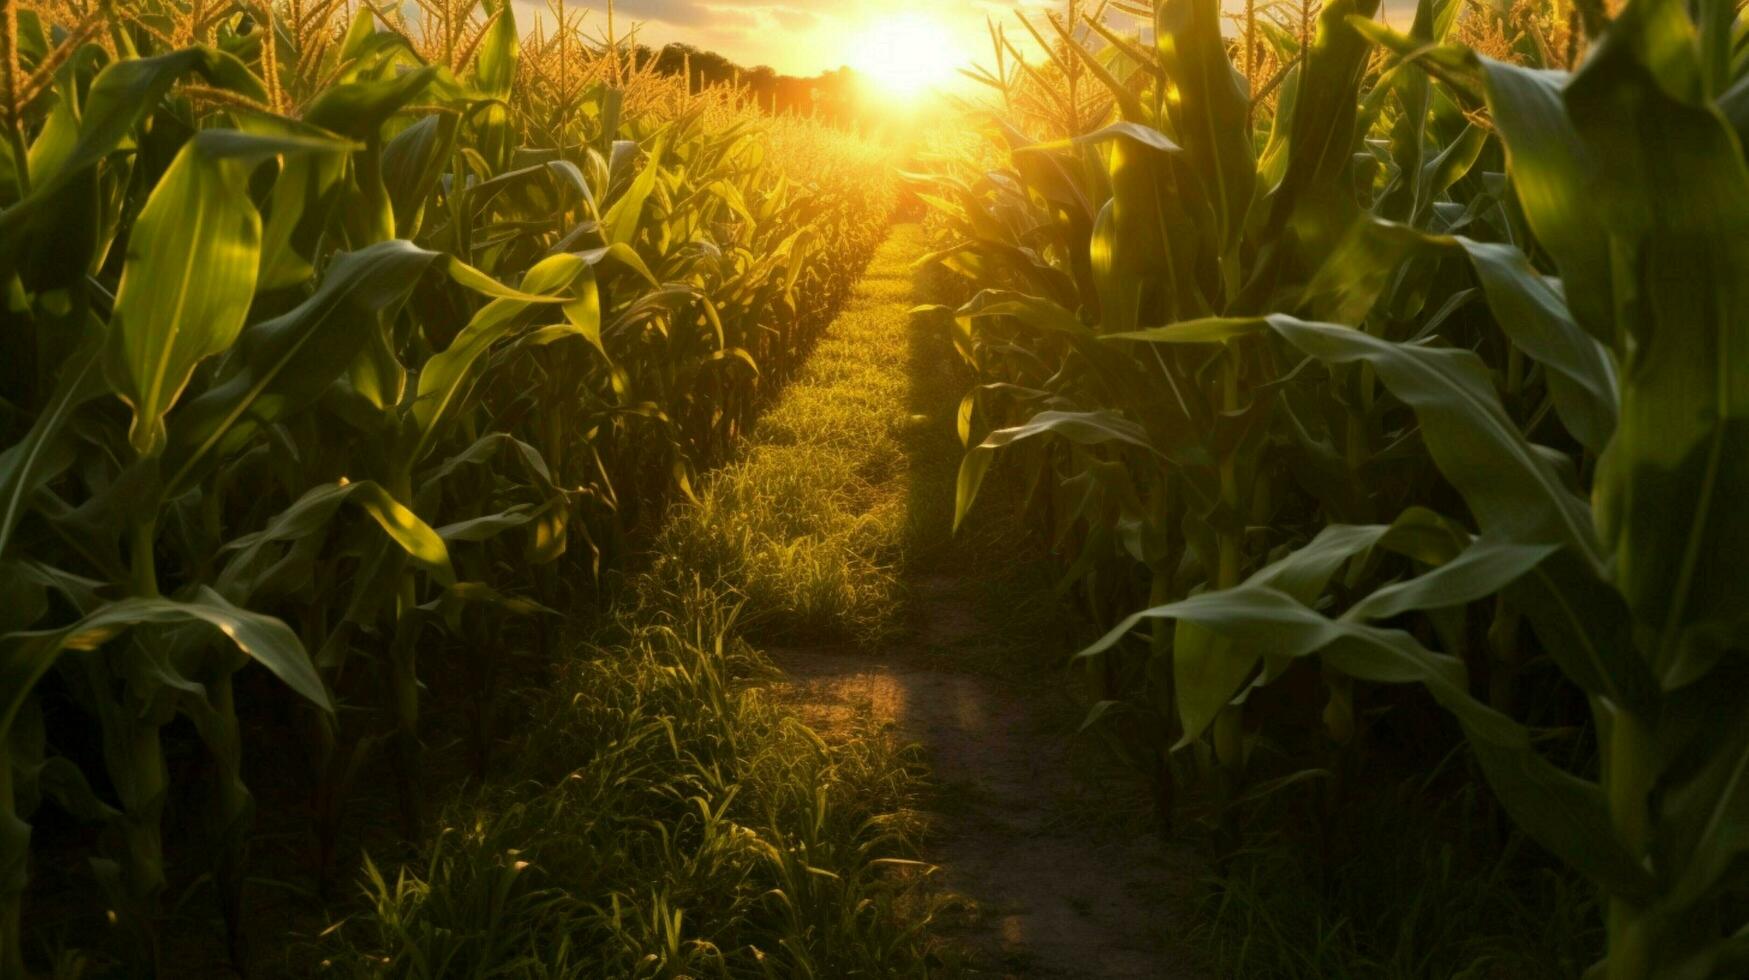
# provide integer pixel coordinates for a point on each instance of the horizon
(810, 38)
(802, 38)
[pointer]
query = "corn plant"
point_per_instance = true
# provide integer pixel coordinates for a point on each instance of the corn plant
(337, 335)
(1199, 199)
(1435, 385)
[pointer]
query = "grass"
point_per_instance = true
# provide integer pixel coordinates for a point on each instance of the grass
(1401, 884)
(806, 524)
(660, 814)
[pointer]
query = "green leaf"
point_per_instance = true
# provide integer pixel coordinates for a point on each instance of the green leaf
(412, 163)
(35, 459)
(186, 286)
(1081, 428)
(25, 657)
(283, 365)
(1670, 198)
(1144, 246)
(624, 216)
(488, 526)
(1567, 815)
(1550, 169)
(1206, 330)
(359, 109)
(1210, 669)
(624, 255)
(554, 279)
(120, 96)
(1141, 135)
(1707, 804)
(1481, 570)
(1509, 484)
(315, 510)
(1511, 487)
(1212, 112)
(1408, 141)
(1314, 195)
(1037, 313)
(1532, 312)
(1585, 627)
(495, 65)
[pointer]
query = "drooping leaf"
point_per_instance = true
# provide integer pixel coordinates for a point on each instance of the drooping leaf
(316, 509)
(33, 460)
(1510, 486)
(1212, 110)
(1533, 313)
(283, 365)
(1544, 155)
(1564, 813)
(1081, 428)
(624, 217)
(25, 657)
(551, 281)
(120, 96)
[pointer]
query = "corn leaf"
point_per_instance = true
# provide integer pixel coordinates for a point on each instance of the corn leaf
(283, 365)
(554, 279)
(625, 216)
(25, 657)
(1566, 814)
(1080, 428)
(316, 509)
(1533, 312)
(1673, 203)
(186, 286)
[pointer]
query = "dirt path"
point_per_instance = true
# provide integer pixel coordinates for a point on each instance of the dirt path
(1039, 836)
(1053, 895)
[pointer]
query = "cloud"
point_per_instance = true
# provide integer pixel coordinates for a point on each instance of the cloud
(796, 20)
(672, 11)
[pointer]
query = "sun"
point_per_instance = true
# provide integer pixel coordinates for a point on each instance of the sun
(906, 54)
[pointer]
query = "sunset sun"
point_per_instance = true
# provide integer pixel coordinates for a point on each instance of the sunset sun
(906, 54)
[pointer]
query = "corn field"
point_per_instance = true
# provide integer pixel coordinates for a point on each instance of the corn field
(344, 345)
(1367, 384)
(1337, 356)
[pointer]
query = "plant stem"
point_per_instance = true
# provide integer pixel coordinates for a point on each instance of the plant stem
(1630, 772)
(147, 779)
(14, 855)
(142, 783)
(232, 805)
(21, 154)
(1229, 724)
(1165, 781)
(1503, 642)
(145, 843)
(404, 684)
(143, 558)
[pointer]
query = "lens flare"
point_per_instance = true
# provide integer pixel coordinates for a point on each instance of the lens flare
(907, 54)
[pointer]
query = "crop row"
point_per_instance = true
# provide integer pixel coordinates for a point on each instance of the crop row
(1396, 362)
(347, 347)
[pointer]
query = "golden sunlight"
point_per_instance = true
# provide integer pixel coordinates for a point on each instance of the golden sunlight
(907, 54)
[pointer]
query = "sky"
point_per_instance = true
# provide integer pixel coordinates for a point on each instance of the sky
(807, 37)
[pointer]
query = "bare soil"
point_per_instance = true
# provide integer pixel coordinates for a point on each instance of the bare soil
(1051, 891)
